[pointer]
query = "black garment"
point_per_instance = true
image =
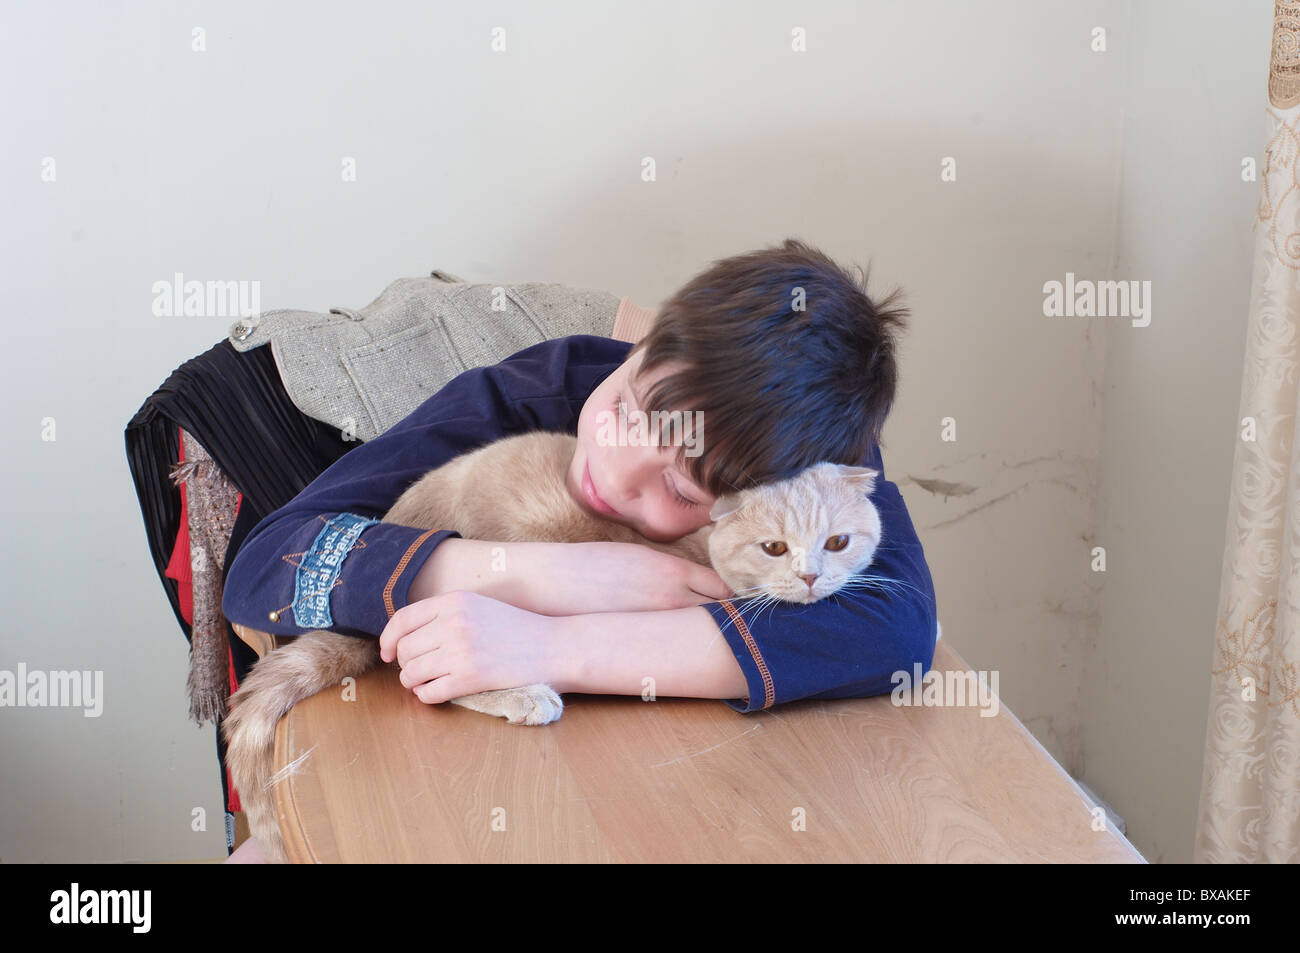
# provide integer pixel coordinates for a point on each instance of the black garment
(235, 405)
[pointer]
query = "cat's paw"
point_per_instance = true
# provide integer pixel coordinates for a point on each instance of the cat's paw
(529, 705)
(534, 705)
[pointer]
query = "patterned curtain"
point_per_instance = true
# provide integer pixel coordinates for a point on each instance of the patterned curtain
(1250, 786)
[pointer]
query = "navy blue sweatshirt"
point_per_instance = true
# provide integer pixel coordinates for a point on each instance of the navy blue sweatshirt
(325, 561)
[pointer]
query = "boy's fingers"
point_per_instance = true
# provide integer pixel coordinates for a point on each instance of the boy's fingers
(406, 619)
(422, 668)
(708, 583)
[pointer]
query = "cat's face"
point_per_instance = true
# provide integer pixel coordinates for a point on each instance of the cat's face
(798, 540)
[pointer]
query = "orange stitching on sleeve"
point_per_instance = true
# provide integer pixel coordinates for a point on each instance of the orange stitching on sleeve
(769, 690)
(397, 572)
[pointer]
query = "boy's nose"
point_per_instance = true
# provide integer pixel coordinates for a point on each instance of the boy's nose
(618, 490)
(629, 481)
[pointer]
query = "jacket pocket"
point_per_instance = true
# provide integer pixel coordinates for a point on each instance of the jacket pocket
(397, 373)
(560, 310)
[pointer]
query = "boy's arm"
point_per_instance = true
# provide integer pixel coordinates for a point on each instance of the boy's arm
(323, 561)
(845, 646)
(613, 653)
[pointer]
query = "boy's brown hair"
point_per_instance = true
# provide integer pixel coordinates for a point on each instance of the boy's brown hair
(780, 387)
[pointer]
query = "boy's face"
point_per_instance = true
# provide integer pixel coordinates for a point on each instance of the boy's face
(639, 484)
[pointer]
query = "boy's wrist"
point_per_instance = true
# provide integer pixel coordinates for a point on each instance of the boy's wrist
(432, 579)
(501, 571)
(565, 652)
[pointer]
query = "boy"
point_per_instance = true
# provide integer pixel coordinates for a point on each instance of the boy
(788, 362)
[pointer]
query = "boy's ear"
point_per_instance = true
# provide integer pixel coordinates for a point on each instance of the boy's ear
(724, 506)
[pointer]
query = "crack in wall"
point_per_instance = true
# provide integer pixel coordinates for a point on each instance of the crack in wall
(942, 487)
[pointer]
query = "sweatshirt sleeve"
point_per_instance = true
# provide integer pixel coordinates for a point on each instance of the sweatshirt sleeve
(848, 645)
(325, 560)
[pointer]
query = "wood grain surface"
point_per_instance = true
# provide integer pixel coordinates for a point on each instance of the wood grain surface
(387, 778)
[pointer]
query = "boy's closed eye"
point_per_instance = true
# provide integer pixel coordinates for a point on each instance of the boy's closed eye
(690, 498)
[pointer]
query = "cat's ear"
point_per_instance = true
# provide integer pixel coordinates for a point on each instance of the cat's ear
(724, 506)
(862, 478)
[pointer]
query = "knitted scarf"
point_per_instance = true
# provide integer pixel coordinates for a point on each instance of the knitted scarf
(211, 501)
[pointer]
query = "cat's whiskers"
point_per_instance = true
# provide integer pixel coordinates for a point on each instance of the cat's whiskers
(766, 603)
(759, 603)
(864, 581)
(743, 602)
(779, 601)
(766, 600)
(757, 600)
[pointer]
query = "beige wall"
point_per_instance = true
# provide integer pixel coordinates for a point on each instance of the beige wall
(1194, 109)
(1071, 432)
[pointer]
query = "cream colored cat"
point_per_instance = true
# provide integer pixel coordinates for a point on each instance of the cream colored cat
(799, 540)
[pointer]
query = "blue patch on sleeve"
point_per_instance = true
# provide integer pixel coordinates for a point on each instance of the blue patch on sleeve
(320, 567)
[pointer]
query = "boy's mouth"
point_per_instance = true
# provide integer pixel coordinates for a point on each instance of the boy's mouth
(593, 498)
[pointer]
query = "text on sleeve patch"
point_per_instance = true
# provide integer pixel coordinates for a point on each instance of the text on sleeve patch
(320, 568)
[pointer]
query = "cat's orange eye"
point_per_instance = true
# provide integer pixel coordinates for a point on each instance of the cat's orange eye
(836, 543)
(774, 547)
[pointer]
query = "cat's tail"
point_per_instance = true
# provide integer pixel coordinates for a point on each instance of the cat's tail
(309, 664)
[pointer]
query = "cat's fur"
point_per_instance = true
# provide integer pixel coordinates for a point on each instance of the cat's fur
(513, 490)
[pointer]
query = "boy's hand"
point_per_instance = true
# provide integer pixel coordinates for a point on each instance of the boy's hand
(460, 643)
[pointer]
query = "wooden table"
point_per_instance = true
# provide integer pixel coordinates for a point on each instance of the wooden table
(387, 778)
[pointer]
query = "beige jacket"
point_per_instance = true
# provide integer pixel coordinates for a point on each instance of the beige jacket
(364, 370)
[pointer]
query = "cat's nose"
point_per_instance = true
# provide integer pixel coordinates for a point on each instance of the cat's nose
(808, 577)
